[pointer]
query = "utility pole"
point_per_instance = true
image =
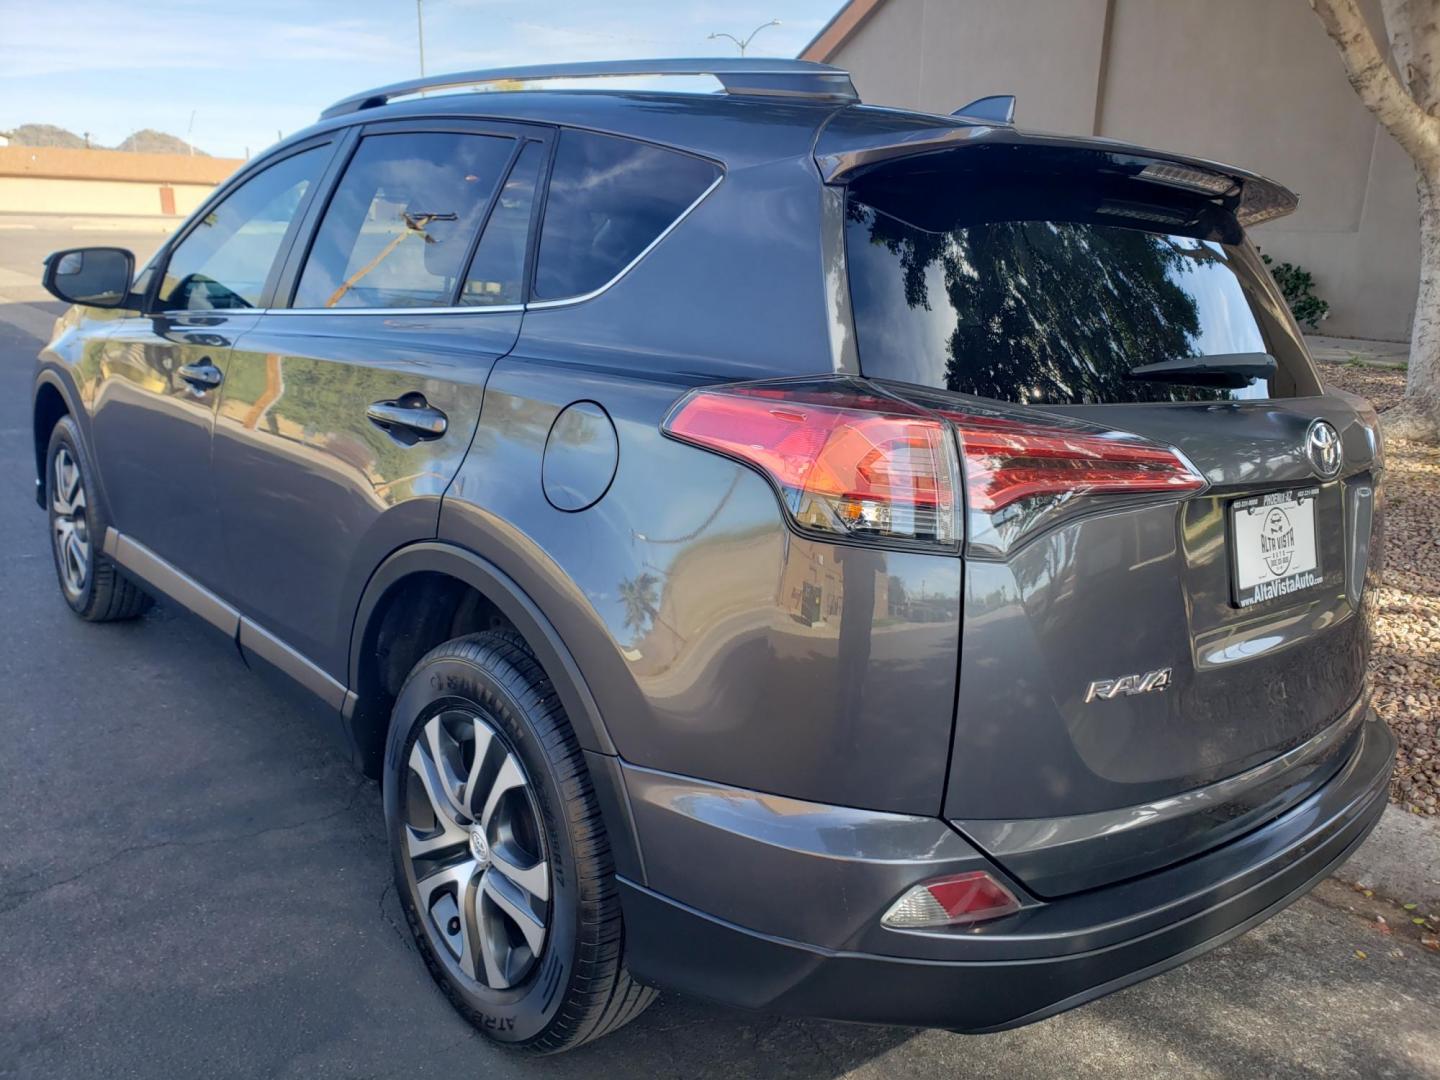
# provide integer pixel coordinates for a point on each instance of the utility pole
(739, 44)
(420, 27)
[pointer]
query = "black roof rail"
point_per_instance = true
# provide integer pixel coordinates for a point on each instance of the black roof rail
(738, 75)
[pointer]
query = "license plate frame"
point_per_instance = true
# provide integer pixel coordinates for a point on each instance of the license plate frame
(1274, 546)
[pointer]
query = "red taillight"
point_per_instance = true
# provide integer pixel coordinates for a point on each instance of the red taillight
(952, 901)
(853, 462)
(848, 464)
(1007, 460)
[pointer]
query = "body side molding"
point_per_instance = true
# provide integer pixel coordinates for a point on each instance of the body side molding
(139, 561)
(254, 638)
(142, 563)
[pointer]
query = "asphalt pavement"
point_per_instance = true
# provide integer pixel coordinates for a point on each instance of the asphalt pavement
(194, 882)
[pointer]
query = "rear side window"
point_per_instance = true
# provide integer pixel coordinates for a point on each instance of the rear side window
(399, 228)
(1057, 301)
(610, 198)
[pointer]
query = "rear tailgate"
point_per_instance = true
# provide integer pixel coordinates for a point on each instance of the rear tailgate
(1144, 673)
(1071, 776)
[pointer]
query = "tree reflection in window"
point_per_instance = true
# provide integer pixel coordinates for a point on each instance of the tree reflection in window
(1034, 311)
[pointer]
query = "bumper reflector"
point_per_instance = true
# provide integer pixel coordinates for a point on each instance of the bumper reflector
(951, 901)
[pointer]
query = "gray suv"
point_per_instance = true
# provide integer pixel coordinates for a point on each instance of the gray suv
(826, 559)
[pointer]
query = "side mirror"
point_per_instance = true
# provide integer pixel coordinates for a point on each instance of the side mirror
(96, 276)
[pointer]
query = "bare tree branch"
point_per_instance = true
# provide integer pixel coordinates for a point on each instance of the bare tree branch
(1371, 76)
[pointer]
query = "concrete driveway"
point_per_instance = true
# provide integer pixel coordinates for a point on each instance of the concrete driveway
(193, 881)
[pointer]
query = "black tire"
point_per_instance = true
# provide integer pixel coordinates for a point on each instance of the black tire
(101, 593)
(576, 988)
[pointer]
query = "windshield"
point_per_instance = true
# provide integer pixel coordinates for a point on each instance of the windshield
(1026, 308)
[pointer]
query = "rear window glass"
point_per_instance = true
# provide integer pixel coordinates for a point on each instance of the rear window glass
(609, 199)
(1006, 301)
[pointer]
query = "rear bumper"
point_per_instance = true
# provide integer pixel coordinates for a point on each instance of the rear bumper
(1045, 959)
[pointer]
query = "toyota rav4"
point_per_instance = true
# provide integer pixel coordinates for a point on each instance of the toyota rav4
(827, 559)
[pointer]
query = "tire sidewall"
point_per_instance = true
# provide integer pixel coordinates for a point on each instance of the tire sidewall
(66, 435)
(512, 1016)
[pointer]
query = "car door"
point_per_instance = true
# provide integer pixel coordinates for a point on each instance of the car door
(346, 412)
(161, 369)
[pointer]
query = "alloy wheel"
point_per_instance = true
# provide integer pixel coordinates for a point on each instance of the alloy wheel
(476, 850)
(70, 523)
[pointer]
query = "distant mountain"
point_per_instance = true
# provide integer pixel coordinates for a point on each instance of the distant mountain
(45, 135)
(147, 141)
(150, 141)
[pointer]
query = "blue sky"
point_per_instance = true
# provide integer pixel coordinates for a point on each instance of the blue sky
(252, 68)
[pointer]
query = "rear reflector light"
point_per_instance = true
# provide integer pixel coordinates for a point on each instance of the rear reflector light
(952, 901)
(1008, 460)
(846, 463)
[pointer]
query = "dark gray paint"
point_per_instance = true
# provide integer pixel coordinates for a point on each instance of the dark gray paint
(717, 667)
(846, 712)
(152, 430)
(852, 864)
(300, 470)
(581, 455)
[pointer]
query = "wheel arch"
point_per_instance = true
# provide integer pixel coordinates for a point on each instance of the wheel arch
(367, 705)
(51, 401)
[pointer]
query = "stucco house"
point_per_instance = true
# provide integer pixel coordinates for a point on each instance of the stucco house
(1252, 82)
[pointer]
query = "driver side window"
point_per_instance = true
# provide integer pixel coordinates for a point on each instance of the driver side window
(225, 260)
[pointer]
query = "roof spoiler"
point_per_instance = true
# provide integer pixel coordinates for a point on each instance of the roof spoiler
(845, 151)
(997, 108)
(762, 77)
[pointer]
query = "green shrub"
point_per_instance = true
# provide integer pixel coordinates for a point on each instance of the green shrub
(1298, 287)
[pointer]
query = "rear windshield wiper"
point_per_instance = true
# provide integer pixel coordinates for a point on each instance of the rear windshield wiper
(1228, 370)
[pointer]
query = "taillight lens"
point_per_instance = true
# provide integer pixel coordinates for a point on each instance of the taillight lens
(952, 901)
(1007, 460)
(851, 460)
(847, 463)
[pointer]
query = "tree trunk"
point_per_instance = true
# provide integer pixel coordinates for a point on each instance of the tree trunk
(1418, 415)
(1407, 103)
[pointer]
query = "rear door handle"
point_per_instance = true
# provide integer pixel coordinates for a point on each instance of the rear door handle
(202, 376)
(411, 413)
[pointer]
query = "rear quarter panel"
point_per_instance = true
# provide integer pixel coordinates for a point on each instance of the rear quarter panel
(716, 643)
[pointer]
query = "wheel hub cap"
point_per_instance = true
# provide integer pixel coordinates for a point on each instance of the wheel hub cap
(476, 850)
(69, 522)
(478, 847)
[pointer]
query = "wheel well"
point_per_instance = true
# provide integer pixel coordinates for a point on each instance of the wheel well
(416, 613)
(49, 408)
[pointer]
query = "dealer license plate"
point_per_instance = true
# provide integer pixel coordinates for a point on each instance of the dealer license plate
(1272, 543)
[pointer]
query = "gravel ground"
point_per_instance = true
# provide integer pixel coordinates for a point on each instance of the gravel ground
(1405, 663)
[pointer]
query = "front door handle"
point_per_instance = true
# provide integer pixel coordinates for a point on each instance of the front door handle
(202, 376)
(411, 413)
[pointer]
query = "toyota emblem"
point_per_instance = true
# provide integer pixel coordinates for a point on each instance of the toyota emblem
(1322, 447)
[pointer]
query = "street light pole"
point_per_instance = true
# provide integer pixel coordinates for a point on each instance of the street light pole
(420, 27)
(745, 44)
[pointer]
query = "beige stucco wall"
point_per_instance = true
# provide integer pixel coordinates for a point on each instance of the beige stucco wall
(55, 180)
(53, 195)
(1254, 82)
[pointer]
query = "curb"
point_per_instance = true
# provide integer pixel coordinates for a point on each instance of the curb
(1400, 860)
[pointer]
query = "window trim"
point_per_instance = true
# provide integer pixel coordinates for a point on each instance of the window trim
(282, 254)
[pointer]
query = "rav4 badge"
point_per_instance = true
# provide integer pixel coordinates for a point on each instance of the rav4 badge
(1128, 685)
